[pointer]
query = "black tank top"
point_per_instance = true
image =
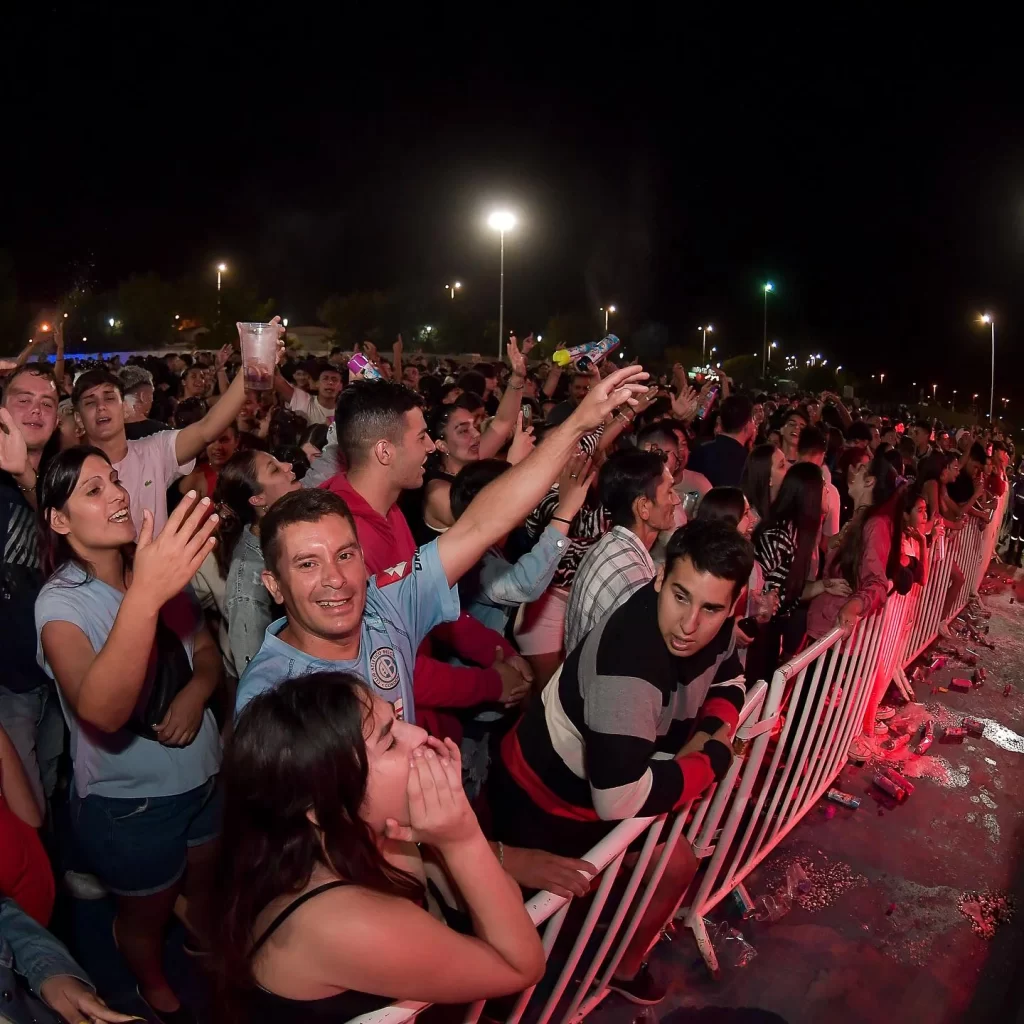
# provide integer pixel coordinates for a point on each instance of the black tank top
(269, 1008)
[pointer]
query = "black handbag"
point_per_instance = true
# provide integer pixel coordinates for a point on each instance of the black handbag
(171, 673)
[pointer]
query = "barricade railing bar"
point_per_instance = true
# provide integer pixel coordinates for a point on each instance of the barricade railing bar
(793, 738)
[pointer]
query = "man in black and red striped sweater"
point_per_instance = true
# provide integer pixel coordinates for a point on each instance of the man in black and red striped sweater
(636, 722)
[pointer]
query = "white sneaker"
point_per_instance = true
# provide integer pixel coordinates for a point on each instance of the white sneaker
(84, 886)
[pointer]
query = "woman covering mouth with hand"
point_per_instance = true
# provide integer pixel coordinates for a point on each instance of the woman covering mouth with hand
(134, 667)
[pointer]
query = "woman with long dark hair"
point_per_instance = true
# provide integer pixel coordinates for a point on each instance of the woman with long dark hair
(852, 462)
(762, 477)
(249, 484)
(325, 908)
(134, 668)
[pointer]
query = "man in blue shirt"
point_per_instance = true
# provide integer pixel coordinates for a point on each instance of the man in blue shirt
(722, 460)
(337, 619)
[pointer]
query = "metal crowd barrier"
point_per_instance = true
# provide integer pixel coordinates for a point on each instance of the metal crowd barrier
(792, 740)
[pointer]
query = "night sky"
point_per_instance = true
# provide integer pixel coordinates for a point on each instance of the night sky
(874, 171)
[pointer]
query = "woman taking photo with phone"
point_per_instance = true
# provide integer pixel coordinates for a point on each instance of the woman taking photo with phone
(327, 795)
(134, 668)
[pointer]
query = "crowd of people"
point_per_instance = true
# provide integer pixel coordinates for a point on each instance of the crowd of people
(356, 662)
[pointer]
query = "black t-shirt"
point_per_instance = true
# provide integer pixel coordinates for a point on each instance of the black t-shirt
(962, 488)
(20, 582)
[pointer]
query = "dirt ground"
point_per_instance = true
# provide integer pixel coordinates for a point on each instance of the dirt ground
(881, 935)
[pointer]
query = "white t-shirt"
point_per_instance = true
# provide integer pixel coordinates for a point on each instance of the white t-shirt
(149, 468)
(310, 407)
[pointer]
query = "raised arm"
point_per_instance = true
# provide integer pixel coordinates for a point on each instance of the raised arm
(104, 686)
(193, 439)
(58, 341)
(504, 504)
(504, 420)
(396, 354)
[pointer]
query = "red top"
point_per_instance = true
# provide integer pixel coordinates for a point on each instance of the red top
(25, 874)
(388, 550)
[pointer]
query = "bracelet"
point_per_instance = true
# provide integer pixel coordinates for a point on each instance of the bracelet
(561, 519)
(30, 487)
(515, 387)
(501, 853)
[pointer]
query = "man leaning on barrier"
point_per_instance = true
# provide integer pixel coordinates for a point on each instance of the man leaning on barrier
(635, 723)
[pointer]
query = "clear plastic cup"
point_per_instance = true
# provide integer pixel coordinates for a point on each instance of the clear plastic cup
(259, 354)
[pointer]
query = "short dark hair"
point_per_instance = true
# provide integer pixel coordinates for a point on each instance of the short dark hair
(472, 380)
(309, 505)
(977, 453)
(723, 505)
(36, 369)
(471, 480)
(322, 366)
(656, 433)
(922, 425)
(736, 412)
(93, 379)
(368, 410)
(713, 547)
(628, 474)
(859, 431)
(812, 442)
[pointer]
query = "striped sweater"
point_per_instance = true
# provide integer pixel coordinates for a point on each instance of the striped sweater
(602, 744)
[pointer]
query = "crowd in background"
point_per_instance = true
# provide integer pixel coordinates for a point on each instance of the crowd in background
(351, 664)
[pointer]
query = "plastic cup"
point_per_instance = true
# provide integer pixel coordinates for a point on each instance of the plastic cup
(259, 354)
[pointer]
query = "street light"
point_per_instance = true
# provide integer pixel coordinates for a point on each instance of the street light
(111, 321)
(935, 387)
(881, 378)
(501, 221)
(453, 287)
(768, 287)
(222, 268)
(606, 310)
(703, 344)
(987, 318)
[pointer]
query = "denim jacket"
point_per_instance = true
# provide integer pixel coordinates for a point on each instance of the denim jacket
(248, 605)
(496, 587)
(29, 950)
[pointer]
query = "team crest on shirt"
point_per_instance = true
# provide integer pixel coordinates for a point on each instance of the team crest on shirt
(384, 668)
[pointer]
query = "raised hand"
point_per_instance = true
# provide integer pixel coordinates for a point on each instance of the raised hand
(576, 480)
(222, 357)
(528, 343)
(398, 348)
(623, 387)
(13, 449)
(522, 442)
(165, 565)
(685, 404)
(439, 813)
(515, 357)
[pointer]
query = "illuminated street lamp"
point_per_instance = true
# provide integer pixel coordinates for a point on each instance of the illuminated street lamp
(453, 287)
(768, 287)
(987, 318)
(606, 310)
(935, 388)
(501, 221)
(703, 344)
(222, 268)
(881, 378)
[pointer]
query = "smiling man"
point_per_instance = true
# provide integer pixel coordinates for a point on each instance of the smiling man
(636, 722)
(339, 619)
(149, 465)
(318, 408)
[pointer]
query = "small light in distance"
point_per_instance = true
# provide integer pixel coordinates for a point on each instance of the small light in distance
(622, 355)
(540, 337)
(222, 267)
(44, 327)
(177, 316)
(65, 316)
(84, 338)
(986, 318)
(611, 309)
(111, 321)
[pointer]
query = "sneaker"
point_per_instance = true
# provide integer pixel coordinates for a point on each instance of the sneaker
(84, 886)
(883, 714)
(881, 729)
(641, 989)
(861, 751)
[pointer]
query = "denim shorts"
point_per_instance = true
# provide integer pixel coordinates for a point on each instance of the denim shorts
(139, 846)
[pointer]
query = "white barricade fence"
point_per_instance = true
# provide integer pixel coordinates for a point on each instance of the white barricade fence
(794, 735)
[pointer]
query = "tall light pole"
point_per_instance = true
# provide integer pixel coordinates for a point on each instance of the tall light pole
(935, 388)
(987, 318)
(453, 287)
(768, 287)
(881, 379)
(606, 310)
(501, 221)
(221, 269)
(703, 344)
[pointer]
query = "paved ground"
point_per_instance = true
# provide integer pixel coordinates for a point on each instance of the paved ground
(893, 946)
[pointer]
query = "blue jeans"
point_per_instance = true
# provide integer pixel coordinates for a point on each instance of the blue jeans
(138, 846)
(34, 722)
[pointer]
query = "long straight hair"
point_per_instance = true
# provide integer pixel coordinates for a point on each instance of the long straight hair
(236, 484)
(756, 481)
(888, 500)
(798, 505)
(57, 485)
(294, 777)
